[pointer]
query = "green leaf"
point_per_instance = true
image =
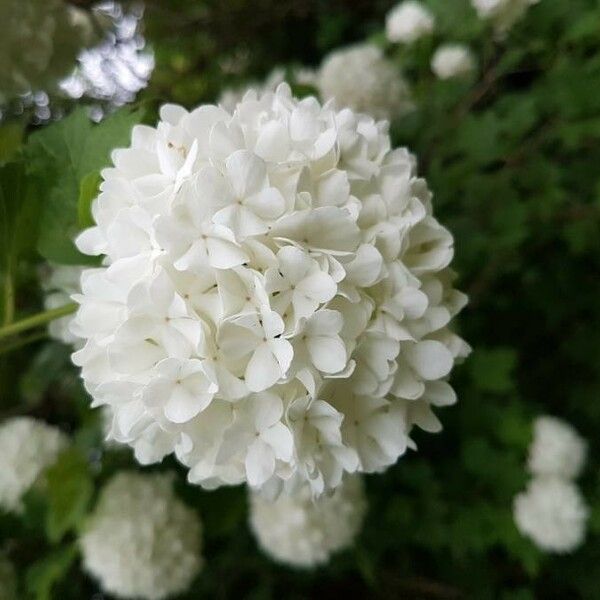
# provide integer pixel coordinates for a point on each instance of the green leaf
(88, 191)
(11, 140)
(43, 575)
(59, 157)
(70, 490)
(492, 369)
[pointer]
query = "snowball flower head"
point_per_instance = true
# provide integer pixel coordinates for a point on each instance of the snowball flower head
(552, 512)
(8, 580)
(452, 60)
(408, 21)
(297, 531)
(503, 13)
(275, 297)
(141, 541)
(60, 285)
(27, 448)
(361, 78)
(556, 449)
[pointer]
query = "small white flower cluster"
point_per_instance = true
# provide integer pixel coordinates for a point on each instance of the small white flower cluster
(141, 541)
(556, 449)
(408, 21)
(299, 531)
(27, 448)
(552, 511)
(39, 44)
(503, 13)
(60, 285)
(452, 60)
(276, 297)
(8, 579)
(361, 78)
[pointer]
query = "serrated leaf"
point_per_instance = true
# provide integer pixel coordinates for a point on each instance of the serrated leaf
(70, 489)
(59, 157)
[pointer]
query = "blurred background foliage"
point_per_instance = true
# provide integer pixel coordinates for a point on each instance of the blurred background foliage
(512, 157)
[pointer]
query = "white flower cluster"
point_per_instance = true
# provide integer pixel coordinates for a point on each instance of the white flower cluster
(276, 297)
(552, 511)
(408, 21)
(361, 78)
(302, 532)
(452, 60)
(556, 449)
(8, 580)
(141, 541)
(39, 44)
(27, 448)
(61, 283)
(503, 13)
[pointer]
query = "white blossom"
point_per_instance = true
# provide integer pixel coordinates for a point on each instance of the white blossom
(59, 286)
(8, 580)
(503, 13)
(361, 78)
(552, 512)
(275, 296)
(452, 60)
(408, 21)
(303, 533)
(556, 449)
(141, 541)
(27, 448)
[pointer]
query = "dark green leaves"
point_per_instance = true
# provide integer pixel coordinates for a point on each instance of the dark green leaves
(62, 159)
(70, 489)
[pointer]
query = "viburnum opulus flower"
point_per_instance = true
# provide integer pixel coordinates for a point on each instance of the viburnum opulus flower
(408, 21)
(27, 448)
(299, 531)
(363, 79)
(141, 541)
(275, 296)
(552, 513)
(452, 60)
(556, 449)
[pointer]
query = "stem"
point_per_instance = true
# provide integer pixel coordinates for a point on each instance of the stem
(10, 346)
(9, 297)
(38, 319)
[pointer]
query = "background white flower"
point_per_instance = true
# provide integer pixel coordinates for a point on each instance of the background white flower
(361, 78)
(298, 531)
(408, 21)
(27, 448)
(274, 307)
(556, 449)
(552, 512)
(503, 13)
(141, 541)
(452, 60)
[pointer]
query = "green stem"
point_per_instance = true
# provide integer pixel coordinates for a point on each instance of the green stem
(10, 346)
(9, 298)
(35, 320)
